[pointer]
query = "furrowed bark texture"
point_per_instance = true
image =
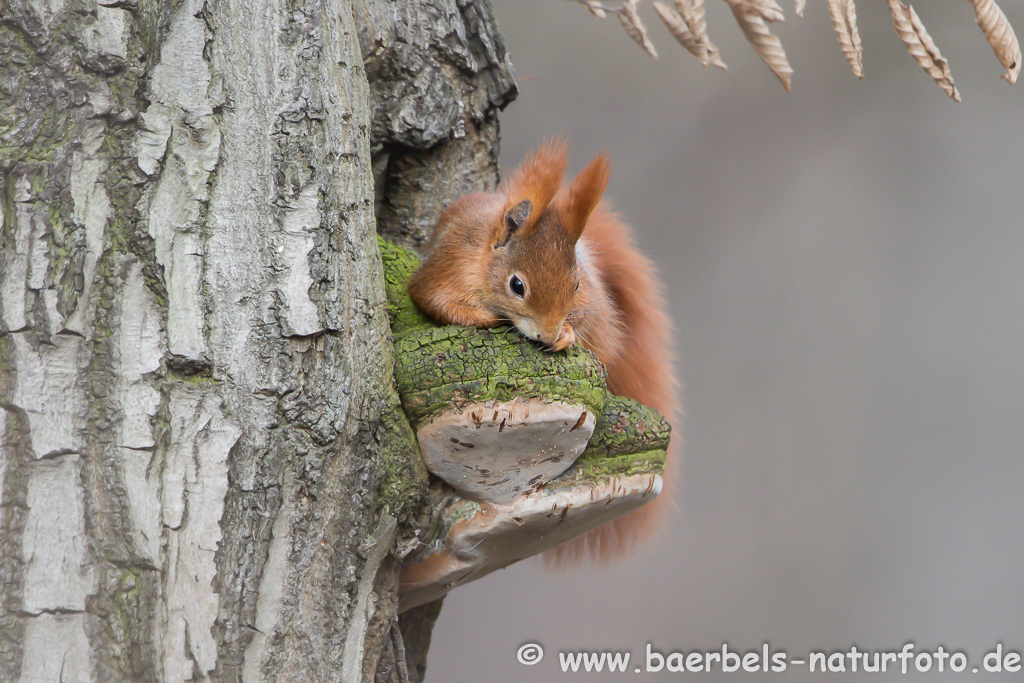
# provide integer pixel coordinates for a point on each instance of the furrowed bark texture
(438, 75)
(204, 469)
(205, 472)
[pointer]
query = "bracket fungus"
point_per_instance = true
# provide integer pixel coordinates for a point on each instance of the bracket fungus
(530, 447)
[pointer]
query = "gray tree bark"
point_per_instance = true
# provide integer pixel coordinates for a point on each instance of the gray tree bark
(204, 469)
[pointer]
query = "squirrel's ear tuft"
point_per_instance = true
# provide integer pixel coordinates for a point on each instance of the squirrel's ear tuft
(534, 183)
(584, 194)
(515, 218)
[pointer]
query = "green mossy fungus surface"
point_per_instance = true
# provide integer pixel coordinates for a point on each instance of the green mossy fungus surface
(629, 438)
(445, 367)
(399, 265)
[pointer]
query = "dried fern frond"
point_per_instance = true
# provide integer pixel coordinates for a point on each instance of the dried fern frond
(594, 8)
(844, 18)
(921, 46)
(1000, 36)
(768, 9)
(679, 30)
(635, 27)
(692, 12)
(767, 44)
(688, 26)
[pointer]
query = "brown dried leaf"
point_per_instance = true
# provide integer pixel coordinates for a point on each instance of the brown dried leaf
(767, 44)
(921, 46)
(844, 18)
(679, 30)
(800, 4)
(692, 12)
(635, 28)
(1000, 36)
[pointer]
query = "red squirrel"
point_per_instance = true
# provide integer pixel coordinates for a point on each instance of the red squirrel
(561, 267)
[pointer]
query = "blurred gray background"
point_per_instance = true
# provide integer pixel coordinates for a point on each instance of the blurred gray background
(845, 266)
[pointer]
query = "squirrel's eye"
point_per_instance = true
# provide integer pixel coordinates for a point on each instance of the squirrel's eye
(517, 286)
(577, 286)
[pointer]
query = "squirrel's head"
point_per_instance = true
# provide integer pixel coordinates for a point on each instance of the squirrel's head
(532, 274)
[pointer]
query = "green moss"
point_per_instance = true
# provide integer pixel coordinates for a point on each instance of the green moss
(627, 426)
(399, 265)
(404, 478)
(21, 98)
(197, 379)
(128, 599)
(441, 367)
(597, 469)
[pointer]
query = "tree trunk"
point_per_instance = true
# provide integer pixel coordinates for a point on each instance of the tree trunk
(204, 469)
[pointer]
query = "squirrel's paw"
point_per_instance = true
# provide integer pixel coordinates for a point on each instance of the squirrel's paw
(566, 339)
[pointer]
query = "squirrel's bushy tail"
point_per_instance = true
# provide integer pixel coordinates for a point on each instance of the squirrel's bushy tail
(642, 370)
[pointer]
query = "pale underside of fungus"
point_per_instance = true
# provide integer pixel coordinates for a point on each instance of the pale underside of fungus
(685, 20)
(484, 537)
(497, 450)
